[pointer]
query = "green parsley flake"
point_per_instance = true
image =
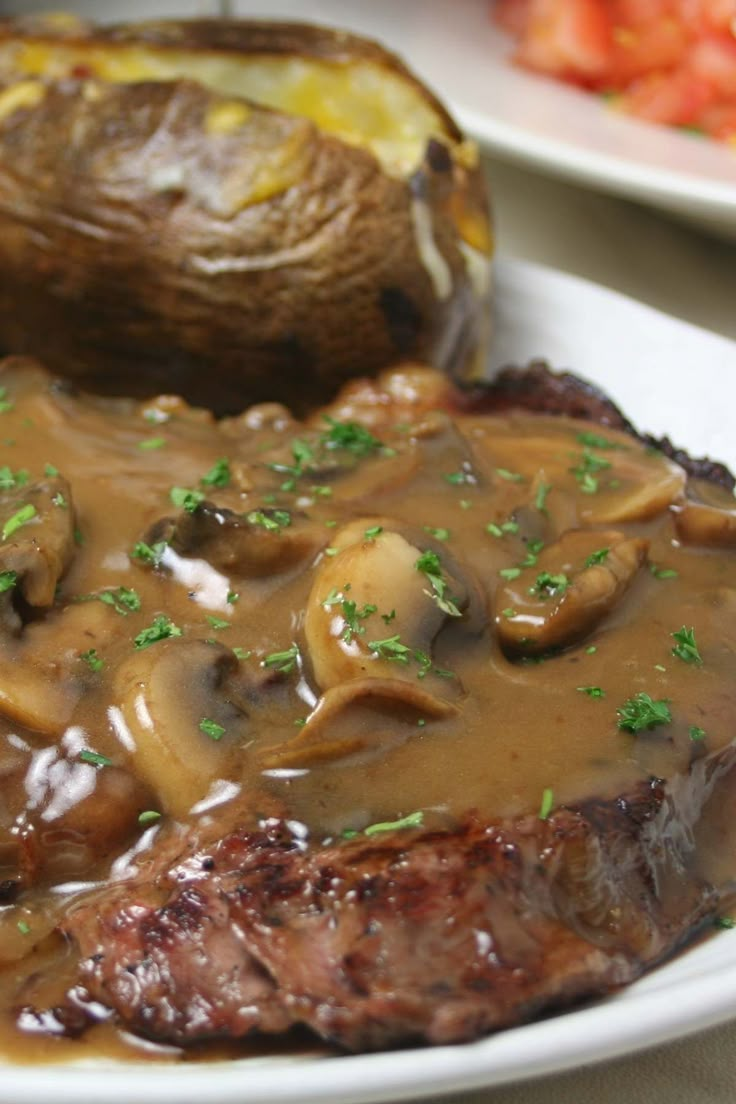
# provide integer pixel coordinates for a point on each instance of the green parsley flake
(642, 713)
(94, 758)
(92, 660)
(547, 586)
(440, 534)
(232, 597)
(186, 498)
(724, 922)
(510, 573)
(547, 804)
(148, 816)
(594, 440)
(242, 653)
(391, 648)
(161, 629)
(9, 479)
(509, 476)
(151, 444)
(591, 649)
(591, 691)
(218, 622)
(124, 600)
(598, 557)
(387, 618)
(429, 563)
(273, 520)
(413, 820)
(353, 616)
(509, 613)
(51, 471)
(457, 478)
(6, 404)
(533, 548)
(696, 733)
(350, 436)
(211, 728)
(59, 500)
(662, 572)
(372, 532)
(540, 497)
(283, 662)
(19, 518)
(149, 553)
(686, 648)
(8, 579)
(218, 475)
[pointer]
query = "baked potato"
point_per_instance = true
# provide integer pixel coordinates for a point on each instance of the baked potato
(231, 210)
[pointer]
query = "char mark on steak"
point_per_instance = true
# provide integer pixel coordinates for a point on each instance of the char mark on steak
(436, 936)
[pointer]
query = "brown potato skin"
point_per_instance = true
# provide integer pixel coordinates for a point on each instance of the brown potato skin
(133, 286)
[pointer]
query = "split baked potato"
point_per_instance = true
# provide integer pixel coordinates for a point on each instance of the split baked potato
(231, 210)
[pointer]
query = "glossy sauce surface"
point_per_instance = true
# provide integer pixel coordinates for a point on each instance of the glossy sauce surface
(385, 613)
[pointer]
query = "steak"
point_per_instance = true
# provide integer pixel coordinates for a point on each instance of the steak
(415, 935)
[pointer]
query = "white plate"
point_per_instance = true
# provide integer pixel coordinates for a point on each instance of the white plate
(455, 47)
(668, 376)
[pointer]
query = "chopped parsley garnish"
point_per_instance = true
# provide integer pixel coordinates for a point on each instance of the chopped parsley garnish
(387, 618)
(151, 444)
(372, 532)
(59, 500)
(502, 529)
(457, 478)
(594, 440)
(218, 475)
(149, 553)
(686, 648)
(540, 497)
(94, 758)
(547, 804)
(509, 613)
(50, 470)
(351, 436)
(9, 479)
(353, 616)
(6, 404)
(284, 662)
(218, 622)
(533, 548)
(439, 534)
(591, 691)
(662, 572)
(642, 713)
(586, 470)
(546, 585)
(510, 573)
(211, 728)
(591, 649)
(510, 476)
(92, 660)
(23, 927)
(19, 518)
(724, 922)
(232, 597)
(274, 521)
(391, 648)
(186, 498)
(598, 557)
(696, 733)
(148, 816)
(321, 490)
(124, 600)
(242, 653)
(413, 820)
(161, 629)
(8, 579)
(429, 563)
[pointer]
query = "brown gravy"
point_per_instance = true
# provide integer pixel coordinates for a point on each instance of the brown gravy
(349, 625)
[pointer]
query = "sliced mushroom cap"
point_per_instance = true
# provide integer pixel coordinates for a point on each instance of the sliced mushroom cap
(372, 591)
(184, 719)
(576, 582)
(361, 715)
(710, 526)
(258, 543)
(611, 477)
(39, 549)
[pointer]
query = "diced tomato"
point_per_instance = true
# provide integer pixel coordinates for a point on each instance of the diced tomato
(669, 61)
(567, 38)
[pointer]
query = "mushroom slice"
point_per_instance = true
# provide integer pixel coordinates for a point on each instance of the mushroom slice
(362, 715)
(182, 719)
(37, 545)
(371, 612)
(711, 526)
(259, 543)
(578, 581)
